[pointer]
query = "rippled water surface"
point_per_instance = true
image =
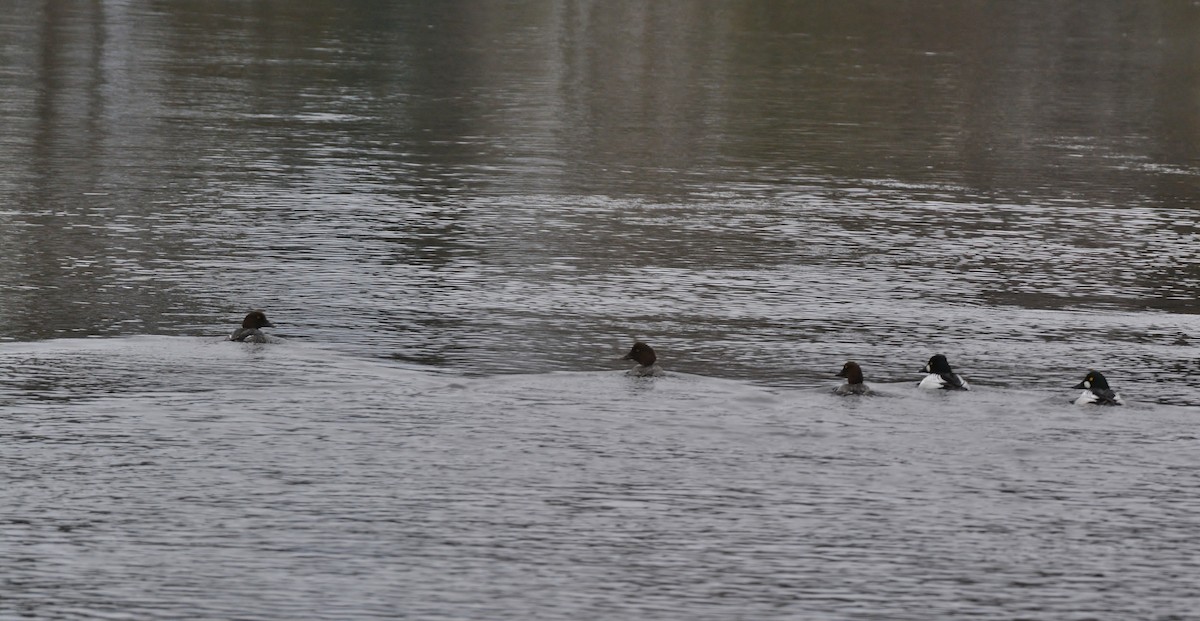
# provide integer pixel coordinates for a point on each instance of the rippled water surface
(460, 215)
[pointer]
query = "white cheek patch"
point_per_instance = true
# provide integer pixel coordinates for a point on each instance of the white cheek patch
(1087, 384)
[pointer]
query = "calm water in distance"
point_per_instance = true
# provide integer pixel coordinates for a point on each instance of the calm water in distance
(459, 215)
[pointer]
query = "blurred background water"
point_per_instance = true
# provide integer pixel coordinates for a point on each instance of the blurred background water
(459, 215)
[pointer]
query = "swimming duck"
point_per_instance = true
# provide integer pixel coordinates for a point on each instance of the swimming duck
(249, 332)
(941, 376)
(854, 380)
(643, 354)
(1096, 391)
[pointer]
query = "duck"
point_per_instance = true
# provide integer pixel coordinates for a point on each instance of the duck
(249, 332)
(941, 376)
(644, 355)
(854, 380)
(1096, 391)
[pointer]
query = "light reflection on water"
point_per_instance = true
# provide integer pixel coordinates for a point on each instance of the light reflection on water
(309, 484)
(459, 217)
(774, 289)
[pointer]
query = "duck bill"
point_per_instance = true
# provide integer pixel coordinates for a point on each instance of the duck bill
(1081, 385)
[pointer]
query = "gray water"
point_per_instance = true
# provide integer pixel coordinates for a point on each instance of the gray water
(460, 215)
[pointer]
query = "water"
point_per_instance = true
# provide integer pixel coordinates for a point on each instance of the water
(460, 216)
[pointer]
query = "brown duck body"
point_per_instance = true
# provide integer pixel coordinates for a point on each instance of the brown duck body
(854, 381)
(250, 332)
(644, 355)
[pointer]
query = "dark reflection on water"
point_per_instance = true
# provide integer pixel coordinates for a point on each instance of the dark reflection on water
(761, 190)
(441, 182)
